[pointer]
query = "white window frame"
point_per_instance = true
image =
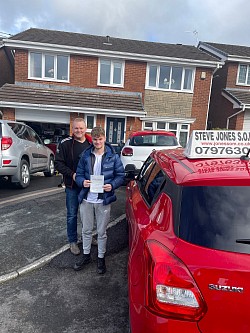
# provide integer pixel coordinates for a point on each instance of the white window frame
(247, 75)
(43, 77)
(147, 86)
(86, 121)
(177, 132)
(112, 61)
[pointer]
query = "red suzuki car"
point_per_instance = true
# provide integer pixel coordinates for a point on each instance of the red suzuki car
(189, 242)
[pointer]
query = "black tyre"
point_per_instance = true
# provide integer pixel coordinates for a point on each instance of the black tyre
(24, 180)
(51, 171)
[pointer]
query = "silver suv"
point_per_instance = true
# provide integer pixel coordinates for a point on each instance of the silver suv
(23, 153)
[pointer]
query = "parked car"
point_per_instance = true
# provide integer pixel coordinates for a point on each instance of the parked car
(189, 241)
(140, 144)
(23, 153)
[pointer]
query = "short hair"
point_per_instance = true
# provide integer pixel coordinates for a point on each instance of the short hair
(97, 132)
(79, 120)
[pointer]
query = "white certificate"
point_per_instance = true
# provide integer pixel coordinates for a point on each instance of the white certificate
(97, 182)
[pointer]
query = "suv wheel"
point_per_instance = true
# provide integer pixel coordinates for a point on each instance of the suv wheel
(51, 171)
(24, 175)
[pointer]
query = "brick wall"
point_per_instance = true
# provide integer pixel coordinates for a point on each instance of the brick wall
(8, 113)
(201, 97)
(84, 73)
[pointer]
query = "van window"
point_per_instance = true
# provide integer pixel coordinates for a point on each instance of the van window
(216, 217)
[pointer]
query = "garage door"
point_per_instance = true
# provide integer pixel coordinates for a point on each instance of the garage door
(246, 125)
(43, 116)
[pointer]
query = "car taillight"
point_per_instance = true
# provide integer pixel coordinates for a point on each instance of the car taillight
(172, 291)
(6, 142)
(127, 151)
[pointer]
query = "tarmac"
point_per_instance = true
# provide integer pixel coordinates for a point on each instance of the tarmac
(33, 231)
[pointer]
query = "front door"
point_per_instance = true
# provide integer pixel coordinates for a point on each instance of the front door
(115, 130)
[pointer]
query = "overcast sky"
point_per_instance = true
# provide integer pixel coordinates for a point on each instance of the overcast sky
(166, 21)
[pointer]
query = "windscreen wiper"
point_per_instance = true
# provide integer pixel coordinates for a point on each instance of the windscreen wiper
(243, 241)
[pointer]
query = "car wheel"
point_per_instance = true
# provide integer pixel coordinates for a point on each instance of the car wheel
(51, 171)
(24, 175)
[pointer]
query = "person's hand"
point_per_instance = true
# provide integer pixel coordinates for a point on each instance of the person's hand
(86, 183)
(107, 187)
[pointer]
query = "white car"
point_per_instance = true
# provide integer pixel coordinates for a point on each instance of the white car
(139, 146)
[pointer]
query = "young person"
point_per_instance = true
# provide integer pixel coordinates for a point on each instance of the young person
(96, 195)
(66, 160)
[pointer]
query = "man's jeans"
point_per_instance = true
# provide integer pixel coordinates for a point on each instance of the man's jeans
(72, 211)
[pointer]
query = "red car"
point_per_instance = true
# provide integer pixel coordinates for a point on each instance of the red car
(189, 241)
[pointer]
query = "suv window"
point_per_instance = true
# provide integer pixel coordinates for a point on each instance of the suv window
(216, 217)
(33, 136)
(24, 132)
(20, 130)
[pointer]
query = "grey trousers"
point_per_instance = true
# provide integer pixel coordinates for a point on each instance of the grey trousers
(88, 212)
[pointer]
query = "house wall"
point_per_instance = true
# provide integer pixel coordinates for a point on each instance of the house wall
(84, 73)
(201, 98)
(8, 113)
(163, 103)
(220, 108)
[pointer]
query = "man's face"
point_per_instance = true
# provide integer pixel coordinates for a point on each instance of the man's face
(79, 130)
(98, 142)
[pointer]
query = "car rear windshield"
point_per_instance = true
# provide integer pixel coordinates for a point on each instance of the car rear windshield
(153, 140)
(216, 217)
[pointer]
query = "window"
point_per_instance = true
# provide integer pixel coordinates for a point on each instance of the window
(244, 74)
(48, 66)
(180, 130)
(90, 122)
(165, 77)
(151, 180)
(111, 72)
(216, 217)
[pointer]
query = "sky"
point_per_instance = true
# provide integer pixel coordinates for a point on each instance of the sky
(166, 21)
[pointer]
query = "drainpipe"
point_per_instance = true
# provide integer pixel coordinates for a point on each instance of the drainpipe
(235, 114)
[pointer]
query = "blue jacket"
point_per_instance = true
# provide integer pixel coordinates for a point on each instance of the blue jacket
(112, 169)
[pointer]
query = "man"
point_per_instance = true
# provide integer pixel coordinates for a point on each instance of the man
(101, 162)
(66, 160)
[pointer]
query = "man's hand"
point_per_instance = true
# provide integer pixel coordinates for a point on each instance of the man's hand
(107, 187)
(86, 183)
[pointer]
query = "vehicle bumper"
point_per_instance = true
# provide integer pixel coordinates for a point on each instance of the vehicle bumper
(7, 171)
(142, 320)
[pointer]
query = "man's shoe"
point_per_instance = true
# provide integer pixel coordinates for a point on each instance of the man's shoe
(94, 241)
(86, 259)
(74, 249)
(101, 267)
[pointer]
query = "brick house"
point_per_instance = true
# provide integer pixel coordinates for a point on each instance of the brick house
(122, 85)
(230, 96)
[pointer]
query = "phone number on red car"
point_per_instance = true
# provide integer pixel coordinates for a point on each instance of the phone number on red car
(221, 150)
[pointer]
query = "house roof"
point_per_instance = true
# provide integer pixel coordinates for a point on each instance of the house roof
(59, 98)
(108, 44)
(239, 97)
(226, 51)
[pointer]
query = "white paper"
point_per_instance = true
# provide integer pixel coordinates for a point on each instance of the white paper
(97, 182)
